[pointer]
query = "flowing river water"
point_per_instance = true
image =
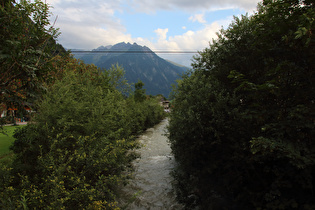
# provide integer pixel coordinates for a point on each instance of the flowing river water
(152, 179)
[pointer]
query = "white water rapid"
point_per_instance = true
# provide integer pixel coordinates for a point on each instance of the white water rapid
(152, 179)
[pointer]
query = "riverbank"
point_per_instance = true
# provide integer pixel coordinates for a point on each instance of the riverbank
(6, 140)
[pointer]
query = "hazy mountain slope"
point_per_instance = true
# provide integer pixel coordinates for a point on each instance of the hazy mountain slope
(139, 63)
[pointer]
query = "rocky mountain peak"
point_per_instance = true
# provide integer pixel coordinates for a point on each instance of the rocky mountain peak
(139, 62)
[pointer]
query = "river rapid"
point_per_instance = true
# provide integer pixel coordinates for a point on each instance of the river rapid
(152, 179)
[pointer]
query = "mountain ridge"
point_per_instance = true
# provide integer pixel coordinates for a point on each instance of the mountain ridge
(139, 63)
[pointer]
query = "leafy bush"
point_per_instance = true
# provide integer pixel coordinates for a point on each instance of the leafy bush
(79, 147)
(145, 110)
(242, 127)
(27, 49)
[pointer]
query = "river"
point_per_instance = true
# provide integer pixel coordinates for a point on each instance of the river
(152, 179)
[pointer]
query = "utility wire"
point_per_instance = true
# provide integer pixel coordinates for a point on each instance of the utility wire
(133, 51)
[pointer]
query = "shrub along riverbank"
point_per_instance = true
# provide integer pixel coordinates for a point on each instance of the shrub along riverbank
(80, 148)
(242, 127)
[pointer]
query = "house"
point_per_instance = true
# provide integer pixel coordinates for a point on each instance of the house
(166, 104)
(13, 113)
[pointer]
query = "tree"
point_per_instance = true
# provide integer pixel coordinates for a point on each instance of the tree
(27, 50)
(139, 94)
(75, 153)
(243, 119)
(78, 149)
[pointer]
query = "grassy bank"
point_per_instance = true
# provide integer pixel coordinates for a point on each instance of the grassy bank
(6, 140)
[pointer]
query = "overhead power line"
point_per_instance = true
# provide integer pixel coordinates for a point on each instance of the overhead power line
(135, 51)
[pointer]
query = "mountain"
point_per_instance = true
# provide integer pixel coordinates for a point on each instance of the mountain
(139, 62)
(102, 48)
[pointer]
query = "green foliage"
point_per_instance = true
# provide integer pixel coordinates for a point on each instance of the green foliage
(27, 49)
(80, 146)
(242, 127)
(146, 114)
(139, 93)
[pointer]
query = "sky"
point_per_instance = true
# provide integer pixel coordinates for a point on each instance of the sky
(161, 25)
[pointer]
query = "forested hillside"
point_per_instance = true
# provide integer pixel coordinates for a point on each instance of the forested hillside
(243, 124)
(139, 63)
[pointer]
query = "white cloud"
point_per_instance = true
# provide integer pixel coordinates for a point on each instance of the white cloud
(198, 17)
(161, 33)
(188, 41)
(88, 24)
(153, 5)
(196, 40)
(90, 37)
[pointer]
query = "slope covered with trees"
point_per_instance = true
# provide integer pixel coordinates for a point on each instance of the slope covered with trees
(242, 127)
(140, 63)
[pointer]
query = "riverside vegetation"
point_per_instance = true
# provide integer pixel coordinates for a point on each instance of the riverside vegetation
(78, 147)
(242, 127)
(241, 130)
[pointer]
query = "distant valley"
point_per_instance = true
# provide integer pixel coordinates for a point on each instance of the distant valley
(139, 62)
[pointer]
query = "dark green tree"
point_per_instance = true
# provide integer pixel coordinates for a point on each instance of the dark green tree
(242, 127)
(75, 153)
(139, 93)
(79, 147)
(27, 48)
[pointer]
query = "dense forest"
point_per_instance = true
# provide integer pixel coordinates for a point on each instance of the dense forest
(243, 123)
(78, 147)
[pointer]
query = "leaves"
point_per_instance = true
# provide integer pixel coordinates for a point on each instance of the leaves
(80, 148)
(26, 51)
(243, 119)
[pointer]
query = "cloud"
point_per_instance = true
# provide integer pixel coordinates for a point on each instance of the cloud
(153, 5)
(188, 41)
(98, 14)
(196, 40)
(89, 24)
(90, 37)
(198, 17)
(161, 33)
